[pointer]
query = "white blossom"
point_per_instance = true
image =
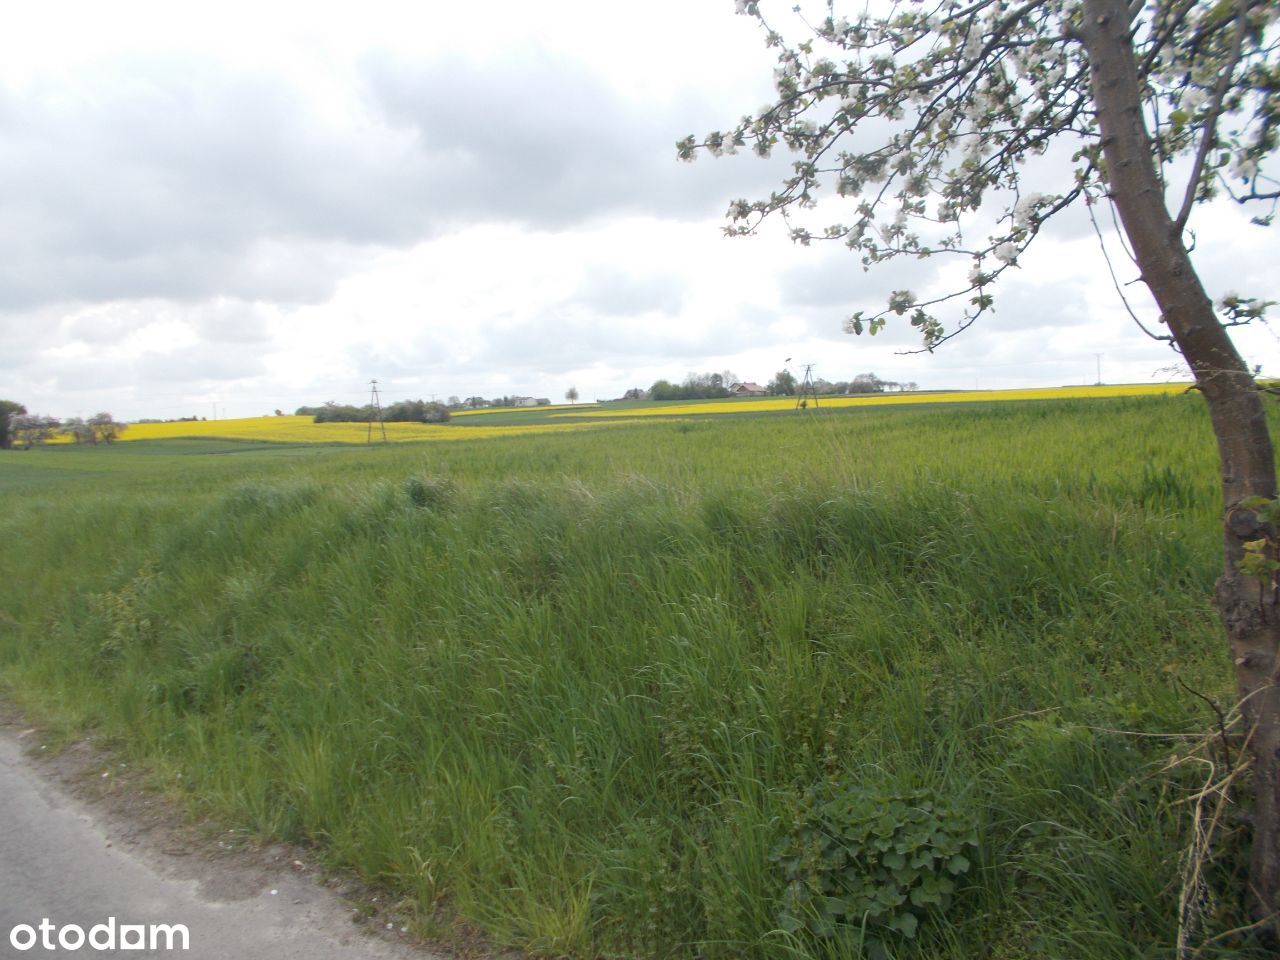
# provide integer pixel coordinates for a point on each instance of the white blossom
(1025, 210)
(1192, 99)
(901, 300)
(1006, 252)
(1244, 167)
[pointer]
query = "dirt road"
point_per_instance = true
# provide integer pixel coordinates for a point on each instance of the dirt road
(84, 873)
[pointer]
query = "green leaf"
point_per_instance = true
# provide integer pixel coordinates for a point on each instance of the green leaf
(906, 924)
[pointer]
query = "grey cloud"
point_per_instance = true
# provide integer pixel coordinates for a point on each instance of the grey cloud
(548, 142)
(232, 321)
(566, 340)
(101, 327)
(613, 292)
(160, 177)
(1025, 304)
(834, 280)
(571, 338)
(200, 364)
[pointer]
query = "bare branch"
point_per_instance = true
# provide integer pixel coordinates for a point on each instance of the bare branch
(1102, 244)
(1211, 121)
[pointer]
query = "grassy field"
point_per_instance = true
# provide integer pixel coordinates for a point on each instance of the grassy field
(490, 423)
(899, 681)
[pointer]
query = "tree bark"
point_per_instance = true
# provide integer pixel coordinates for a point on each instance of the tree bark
(1248, 612)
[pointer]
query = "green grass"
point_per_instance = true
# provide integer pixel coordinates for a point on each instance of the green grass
(578, 686)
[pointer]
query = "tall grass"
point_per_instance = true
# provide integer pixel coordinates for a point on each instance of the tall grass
(581, 686)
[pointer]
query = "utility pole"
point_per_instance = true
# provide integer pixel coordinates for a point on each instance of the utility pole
(376, 404)
(807, 392)
(1098, 357)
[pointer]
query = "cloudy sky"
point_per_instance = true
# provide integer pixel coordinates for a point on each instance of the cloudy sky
(236, 207)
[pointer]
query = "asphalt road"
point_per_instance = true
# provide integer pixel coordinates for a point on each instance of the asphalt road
(60, 862)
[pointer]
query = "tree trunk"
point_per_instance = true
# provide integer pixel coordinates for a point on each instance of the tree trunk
(1251, 618)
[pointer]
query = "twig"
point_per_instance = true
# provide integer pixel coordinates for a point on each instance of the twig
(1222, 721)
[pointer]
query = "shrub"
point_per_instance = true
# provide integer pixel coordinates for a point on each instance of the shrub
(871, 861)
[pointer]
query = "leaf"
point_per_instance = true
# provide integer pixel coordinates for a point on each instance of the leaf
(958, 864)
(906, 924)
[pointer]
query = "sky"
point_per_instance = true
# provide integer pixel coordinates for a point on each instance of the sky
(227, 209)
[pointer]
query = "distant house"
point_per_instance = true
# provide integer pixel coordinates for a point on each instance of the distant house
(748, 389)
(523, 402)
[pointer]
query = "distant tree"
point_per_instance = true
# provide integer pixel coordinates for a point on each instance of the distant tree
(663, 390)
(8, 410)
(26, 430)
(77, 430)
(867, 383)
(782, 384)
(571, 394)
(414, 411)
(635, 393)
(455, 403)
(435, 413)
(476, 403)
(334, 412)
(705, 386)
(696, 386)
(279, 412)
(103, 428)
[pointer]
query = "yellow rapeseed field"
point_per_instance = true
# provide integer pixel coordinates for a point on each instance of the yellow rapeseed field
(304, 430)
(543, 409)
(959, 396)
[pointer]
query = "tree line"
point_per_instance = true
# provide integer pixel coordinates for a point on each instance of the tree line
(712, 386)
(18, 428)
(402, 411)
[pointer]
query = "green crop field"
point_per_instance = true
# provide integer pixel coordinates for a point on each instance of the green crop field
(906, 681)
